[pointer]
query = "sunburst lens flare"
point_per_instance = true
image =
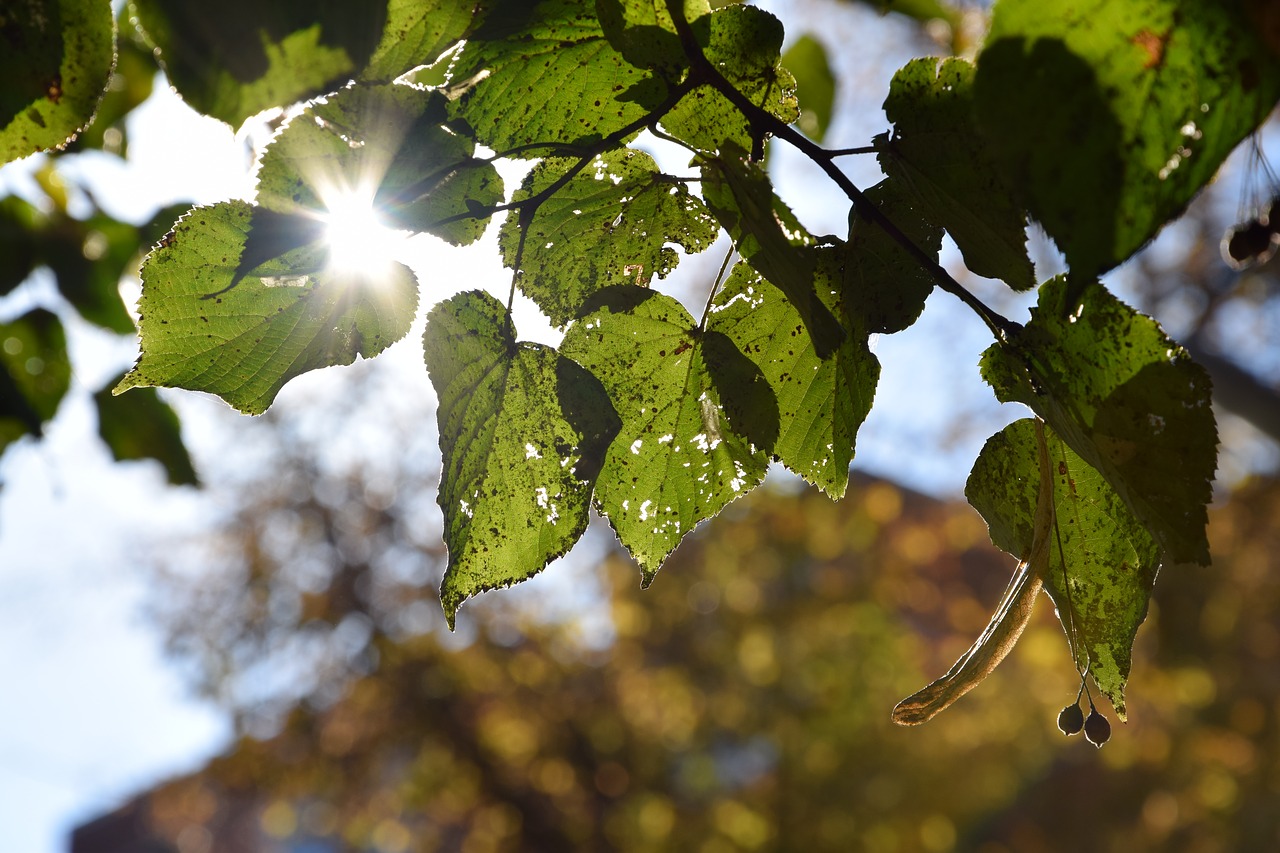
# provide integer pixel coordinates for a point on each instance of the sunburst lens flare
(360, 245)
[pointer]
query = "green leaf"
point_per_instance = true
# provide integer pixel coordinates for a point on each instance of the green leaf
(142, 426)
(522, 431)
(883, 289)
(1102, 561)
(815, 85)
(235, 58)
(768, 236)
(936, 152)
(240, 331)
(819, 403)
(1111, 116)
(744, 44)
(545, 73)
(35, 373)
(55, 61)
(416, 33)
(643, 32)
(20, 223)
(1127, 399)
(89, 259)
(676, 459)
(609, 224)
(385, 147)
(130, 83)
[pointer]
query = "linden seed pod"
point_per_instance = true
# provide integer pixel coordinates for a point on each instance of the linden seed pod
(1096, 729)
(1071, 720)
(1248, 244)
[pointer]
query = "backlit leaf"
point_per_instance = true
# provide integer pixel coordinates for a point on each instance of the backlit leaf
(55, 61)
(819, 403)
(235, 58)
(383, 147)
(937, 154)
(768, 236)
(1111, 116)
(1127, 399)
(643, 32)
(610, 224)
(522, 430)
(210, 325)
(545, 73)
(1102, 561)
(744, 44)
(416, 32)
(677, 458)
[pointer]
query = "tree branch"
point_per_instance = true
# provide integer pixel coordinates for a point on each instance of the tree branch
(527, 206)
(763, 123)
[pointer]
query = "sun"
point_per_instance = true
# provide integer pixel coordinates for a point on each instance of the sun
(360, 244)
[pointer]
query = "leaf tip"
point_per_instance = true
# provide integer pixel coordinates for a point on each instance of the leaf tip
(129, 380)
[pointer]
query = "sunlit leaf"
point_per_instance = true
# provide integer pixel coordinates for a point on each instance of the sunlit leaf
(142, 426)
(384, 147)
(937, 154)
(819, 403)
(1102, 561)
(415, 33)
(521, 433)
(210, 325)
(643, 32)
(1127, 399)
(610, 224)
(1111, 116)
(768, 236)
(677, 458)
(55, 61)
(235, 58)
(744, 44)
(545, 73)
(130, 83)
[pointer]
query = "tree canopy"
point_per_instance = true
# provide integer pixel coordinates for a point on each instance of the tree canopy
(1098, 121)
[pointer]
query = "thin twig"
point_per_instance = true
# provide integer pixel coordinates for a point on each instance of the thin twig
(844, 152)
(763, 123)
(715, 286)
(533, 202)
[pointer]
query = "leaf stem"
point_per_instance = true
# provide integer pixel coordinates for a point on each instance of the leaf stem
(763, 123)
(715, 286)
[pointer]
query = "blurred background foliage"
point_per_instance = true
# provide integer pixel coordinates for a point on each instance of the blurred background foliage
(740, 703)
(61, 228)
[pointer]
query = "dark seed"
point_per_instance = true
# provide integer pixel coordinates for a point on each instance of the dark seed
(1096, 729)
(1071, 720)
(1248, 244)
